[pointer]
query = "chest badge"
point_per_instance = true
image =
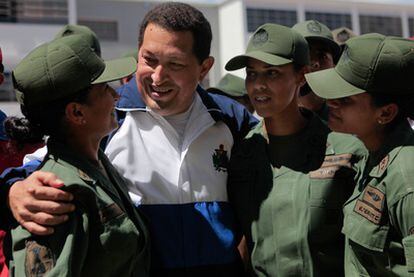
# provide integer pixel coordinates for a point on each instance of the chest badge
(371, 205)
(383, 164)
(220, 159)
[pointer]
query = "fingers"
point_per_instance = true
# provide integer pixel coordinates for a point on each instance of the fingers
(37, 229)
(49, 193)
(46, 178)
(46, 220)
(50, 207)
(37, 202)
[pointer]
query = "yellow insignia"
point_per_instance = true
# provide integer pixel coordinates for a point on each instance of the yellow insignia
(327, 172)
(383, 164)
(84, 176)
(368, 212)
(371, 205)
(330, 166)
(374, 197)
(39, 259)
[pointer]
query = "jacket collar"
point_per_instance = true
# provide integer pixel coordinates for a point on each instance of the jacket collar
(401, 136)
(131, 100)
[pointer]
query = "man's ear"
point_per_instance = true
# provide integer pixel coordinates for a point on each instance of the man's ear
(387, 113)
(205, 67)
(74, 113)
(301, 75)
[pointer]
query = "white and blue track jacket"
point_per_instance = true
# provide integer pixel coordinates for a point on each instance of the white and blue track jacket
(181, 190)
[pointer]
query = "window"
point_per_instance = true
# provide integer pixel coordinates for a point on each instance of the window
(104, 29)
(411, 26)
(386, 25)
(332, 20)
(34, 11)
(257, 17)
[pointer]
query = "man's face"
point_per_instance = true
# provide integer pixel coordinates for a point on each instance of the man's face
(168, 71)
(320, 56)
(272, 89)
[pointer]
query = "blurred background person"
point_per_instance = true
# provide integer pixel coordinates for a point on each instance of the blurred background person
(341, 35)
(324, 52)
(233, 86)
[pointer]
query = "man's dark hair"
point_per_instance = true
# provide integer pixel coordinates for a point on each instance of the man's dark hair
(175, 16)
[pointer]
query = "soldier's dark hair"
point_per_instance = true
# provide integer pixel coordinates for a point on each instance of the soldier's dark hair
(405, 104)
(42, 120)
(177, 17)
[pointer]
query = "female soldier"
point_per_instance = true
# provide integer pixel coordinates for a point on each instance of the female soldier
(290, 176)
(372, 93)
(64, 94)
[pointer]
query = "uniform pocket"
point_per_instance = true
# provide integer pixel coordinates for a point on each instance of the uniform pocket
(330, 193)
(119, 234)
(325, 207)
(408, 243)
(359, 229)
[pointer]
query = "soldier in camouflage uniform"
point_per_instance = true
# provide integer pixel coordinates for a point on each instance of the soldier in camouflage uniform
(62, 87)
(290, 176)
(370, 94)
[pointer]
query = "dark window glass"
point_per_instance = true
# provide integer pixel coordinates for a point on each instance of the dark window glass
(34, 11)
(257, 17)
(332, 20)
(386, 25)
(411, 26)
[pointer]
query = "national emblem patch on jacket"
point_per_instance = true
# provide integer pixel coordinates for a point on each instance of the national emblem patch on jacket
(220, 159)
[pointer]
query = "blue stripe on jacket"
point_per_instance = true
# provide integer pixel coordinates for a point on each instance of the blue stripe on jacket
(194, 234)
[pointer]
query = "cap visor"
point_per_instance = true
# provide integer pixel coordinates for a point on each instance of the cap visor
(241, 61)
(329, 84)
(117, 69)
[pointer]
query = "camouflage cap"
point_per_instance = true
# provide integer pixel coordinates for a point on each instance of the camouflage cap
(370, 63)
(231, 85)
(64, 67)
(314, 30)
(89, 35)
(273, 44)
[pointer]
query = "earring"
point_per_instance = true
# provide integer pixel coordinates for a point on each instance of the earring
(83, 121)
(380, 121)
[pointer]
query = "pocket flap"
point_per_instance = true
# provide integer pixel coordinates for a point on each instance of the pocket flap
(364, 232)
(408, 243)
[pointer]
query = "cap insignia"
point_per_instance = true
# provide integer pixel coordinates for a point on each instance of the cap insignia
(314, 27)
(84, 176)
(343, 36)
(260, 37)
